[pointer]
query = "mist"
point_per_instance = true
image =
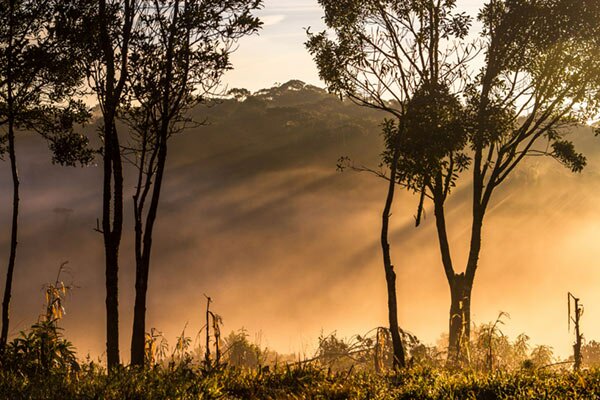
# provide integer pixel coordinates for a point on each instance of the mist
(255, 215)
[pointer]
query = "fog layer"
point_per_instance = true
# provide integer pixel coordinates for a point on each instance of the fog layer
(255, 215)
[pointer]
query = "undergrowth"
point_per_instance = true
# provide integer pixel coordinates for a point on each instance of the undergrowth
(41, 364)
(188, 381)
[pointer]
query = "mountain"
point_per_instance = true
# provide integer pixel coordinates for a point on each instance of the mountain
(255, 215)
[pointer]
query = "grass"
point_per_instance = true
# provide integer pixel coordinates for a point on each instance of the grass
(186, 380)
(41, 364)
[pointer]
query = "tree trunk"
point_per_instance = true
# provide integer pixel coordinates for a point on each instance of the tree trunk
(390, 275)
(207, 353)
(460, 319)
(112, 307)
(112, 220)
(144, 246)
(143, 265)
(139, 314)
(461, 285)
(138, 344)
(112, 239)
(144, 181)
(13, 237)
(15, 180)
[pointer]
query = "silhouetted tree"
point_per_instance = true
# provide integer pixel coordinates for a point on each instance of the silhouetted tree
(180, 52)
(540, 76)
(39, 74)
(395, 56)
(107, 40)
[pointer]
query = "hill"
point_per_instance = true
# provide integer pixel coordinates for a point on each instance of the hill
(255, 215)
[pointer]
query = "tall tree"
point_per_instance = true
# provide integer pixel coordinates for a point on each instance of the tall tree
(541, 76)
(180, 52)
(108, 42)
(38, 77)
(387, 55)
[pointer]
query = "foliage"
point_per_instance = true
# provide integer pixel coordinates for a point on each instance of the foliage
(39, 81)
(179, 52)
(382, 50)
(42, 364)
(372, 352)
(156, 347)
(240, 352)
(340, 354)
(491, 351)
(40, 76)
(43, 350)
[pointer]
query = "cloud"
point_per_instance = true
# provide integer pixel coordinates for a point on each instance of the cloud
(270, 20)
(294, 6)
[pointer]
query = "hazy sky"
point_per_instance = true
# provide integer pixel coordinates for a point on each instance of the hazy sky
(277, 54)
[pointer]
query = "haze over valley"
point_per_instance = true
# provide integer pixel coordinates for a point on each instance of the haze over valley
(254, 214)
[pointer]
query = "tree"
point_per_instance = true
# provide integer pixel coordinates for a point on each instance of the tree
(542, 356)
(395, 56)
(180, 52)
(38, 77)
(540, 77)
(107, 42)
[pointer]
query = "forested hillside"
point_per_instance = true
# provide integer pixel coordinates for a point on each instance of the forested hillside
(255, 215)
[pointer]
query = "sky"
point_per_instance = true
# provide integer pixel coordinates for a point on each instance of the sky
(277, 54)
